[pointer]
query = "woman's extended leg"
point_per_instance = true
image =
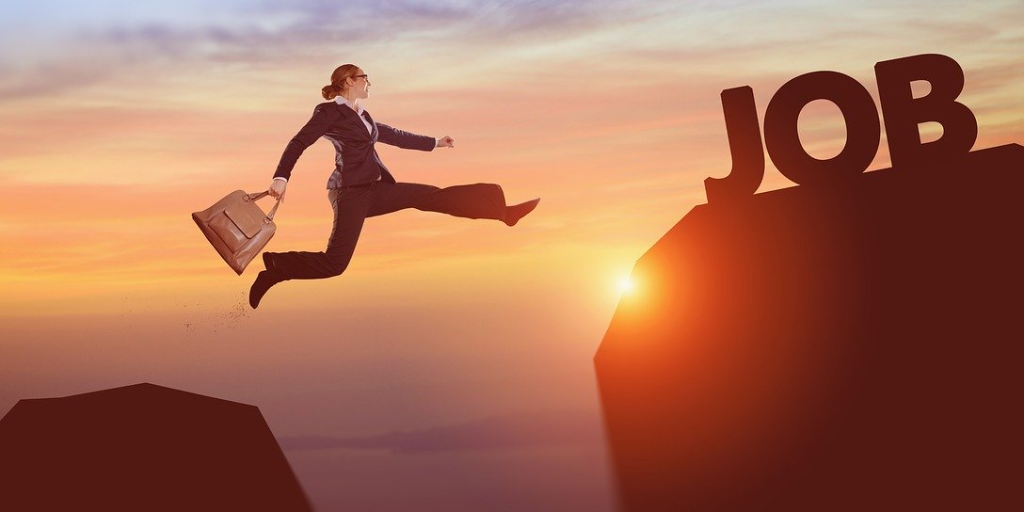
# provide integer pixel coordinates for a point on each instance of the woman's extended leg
(477, 201)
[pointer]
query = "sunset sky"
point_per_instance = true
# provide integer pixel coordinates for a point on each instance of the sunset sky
(119, 119)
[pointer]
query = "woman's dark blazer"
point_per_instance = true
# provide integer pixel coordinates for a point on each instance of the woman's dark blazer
(356, 161)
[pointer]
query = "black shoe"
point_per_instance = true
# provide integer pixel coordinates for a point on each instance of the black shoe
(259, 288)
(515, 212)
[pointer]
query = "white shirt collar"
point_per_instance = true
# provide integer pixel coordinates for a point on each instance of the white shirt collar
(342, 101)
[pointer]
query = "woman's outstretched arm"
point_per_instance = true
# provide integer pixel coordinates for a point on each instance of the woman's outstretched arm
(407, 140)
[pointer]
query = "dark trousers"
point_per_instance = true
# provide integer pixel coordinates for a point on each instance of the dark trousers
(352, 205)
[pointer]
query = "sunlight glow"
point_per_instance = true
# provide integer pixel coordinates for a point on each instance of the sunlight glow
(626, 285)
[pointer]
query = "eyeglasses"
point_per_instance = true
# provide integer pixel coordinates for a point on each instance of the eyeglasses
(366, 77)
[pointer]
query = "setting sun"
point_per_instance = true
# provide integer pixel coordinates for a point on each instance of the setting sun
(626, 285)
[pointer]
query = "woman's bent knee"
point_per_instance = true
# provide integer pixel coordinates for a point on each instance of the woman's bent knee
(338, 269)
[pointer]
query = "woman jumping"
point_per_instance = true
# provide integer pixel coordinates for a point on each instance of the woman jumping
(361, 186)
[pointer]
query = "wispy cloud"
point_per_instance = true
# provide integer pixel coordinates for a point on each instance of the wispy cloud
(68, 57)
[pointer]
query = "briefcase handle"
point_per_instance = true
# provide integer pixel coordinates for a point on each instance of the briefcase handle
(259, 195)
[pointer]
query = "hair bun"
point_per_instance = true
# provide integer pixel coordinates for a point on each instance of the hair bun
(330, 92)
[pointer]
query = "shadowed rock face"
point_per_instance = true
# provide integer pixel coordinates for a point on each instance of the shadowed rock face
(142, 447)
(848, 347)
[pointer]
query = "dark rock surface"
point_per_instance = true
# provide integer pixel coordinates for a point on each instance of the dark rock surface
(854, 346)
(142, 447)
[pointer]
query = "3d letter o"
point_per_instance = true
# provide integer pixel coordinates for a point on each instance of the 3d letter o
(782, 138)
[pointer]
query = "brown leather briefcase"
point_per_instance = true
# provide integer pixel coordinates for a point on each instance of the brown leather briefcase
(237, 227)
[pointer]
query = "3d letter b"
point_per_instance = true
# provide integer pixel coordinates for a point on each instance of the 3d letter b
(903, 113)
